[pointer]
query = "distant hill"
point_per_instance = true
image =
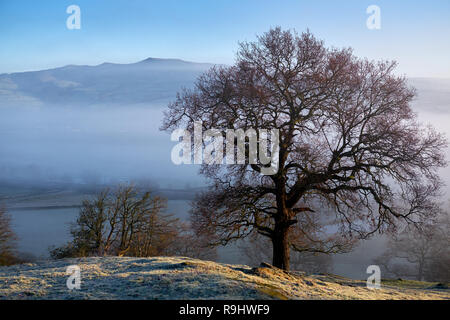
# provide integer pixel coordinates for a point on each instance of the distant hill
(152, 80)
(148, 81)
(186, 278)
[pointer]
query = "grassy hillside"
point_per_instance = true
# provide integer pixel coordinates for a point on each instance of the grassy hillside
(185, 278)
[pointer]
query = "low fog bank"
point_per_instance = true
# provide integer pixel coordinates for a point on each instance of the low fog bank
(50, 144)
(98, 145)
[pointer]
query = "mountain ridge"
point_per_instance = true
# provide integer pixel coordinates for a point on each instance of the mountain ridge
(146, 81)
(146, 60)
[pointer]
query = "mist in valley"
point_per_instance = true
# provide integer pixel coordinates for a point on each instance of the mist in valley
(67, 132)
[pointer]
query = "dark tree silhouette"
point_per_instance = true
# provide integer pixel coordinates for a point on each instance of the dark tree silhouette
(348, 140)
(130, 222)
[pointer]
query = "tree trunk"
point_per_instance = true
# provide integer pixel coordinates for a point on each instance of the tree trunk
(420, 275)
(280, 247)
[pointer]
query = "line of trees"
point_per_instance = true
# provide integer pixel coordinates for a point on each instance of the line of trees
(126, 222)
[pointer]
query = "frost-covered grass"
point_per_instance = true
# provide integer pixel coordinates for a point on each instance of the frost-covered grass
(186, 278)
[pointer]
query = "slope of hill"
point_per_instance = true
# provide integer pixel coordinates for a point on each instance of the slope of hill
(186, 278)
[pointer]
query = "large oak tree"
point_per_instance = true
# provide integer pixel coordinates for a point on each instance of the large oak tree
(349, 142)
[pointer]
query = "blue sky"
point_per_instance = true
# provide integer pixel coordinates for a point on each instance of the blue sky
(33, 34)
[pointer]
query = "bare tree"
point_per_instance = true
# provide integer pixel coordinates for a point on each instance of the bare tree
(189, 244)
(7, 239)
(438, 267)
(348, 139)
(126, 222)
(419, 253)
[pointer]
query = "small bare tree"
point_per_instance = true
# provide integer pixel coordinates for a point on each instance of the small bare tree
(348, 140)
(126, 222)
(419, 253)
(7, 239)
(189, 244)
